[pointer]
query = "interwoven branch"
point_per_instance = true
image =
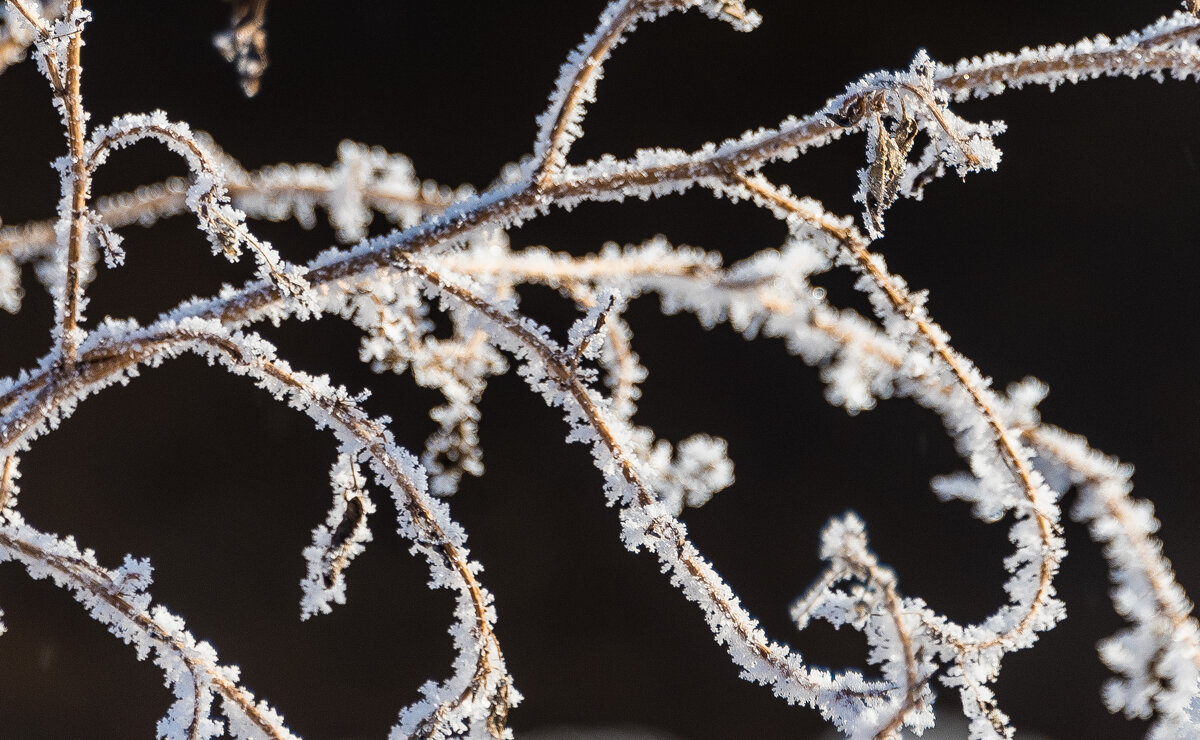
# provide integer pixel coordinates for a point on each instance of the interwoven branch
(448, 254)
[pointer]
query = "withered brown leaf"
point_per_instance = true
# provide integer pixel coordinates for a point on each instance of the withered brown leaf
(337, 554)
(851, 112)
(245, 42)
(888, 165)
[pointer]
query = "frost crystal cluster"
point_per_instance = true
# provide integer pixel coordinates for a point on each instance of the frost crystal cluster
(448, 259)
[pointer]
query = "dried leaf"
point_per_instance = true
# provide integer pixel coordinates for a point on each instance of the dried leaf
(338, 553)
(851, 113)
(245, 43)
(887, 166)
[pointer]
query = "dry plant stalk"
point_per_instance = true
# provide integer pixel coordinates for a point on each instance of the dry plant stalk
(449, 253)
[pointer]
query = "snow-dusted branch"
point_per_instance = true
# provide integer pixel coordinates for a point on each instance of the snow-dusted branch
(562, 123)
(364, 180)
(1166, 47)
(647, 524)
(1158, 655)
(480, 689)
(450, 254)
(23, 24)
(768, 295)
(119, 599)
(58, 54)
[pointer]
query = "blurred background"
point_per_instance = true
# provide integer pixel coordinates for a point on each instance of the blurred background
(1076, 262)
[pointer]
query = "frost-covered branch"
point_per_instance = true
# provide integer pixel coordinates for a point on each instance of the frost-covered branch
(1158, 655)
(23, 24)
(119, 599)
(767, 294)
(58, 54)
(364, 180)
(480, 691)
(450, 255)
(1167, 47)
(971, 415)
(647, 524)
(562, 123)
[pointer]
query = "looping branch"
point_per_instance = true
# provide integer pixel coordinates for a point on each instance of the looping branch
(208, 197)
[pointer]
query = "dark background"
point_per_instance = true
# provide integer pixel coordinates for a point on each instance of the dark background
(1076, 262)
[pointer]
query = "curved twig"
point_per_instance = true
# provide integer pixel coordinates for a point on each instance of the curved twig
(126, 609)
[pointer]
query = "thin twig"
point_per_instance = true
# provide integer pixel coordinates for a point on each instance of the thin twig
(80, 187)
(1007, 446)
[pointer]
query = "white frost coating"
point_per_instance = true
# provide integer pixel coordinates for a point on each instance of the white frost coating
(479, 664)
(767, 294)
(700, 469)
(479, 671)
(16, 35)
(207, 197)
(1165, 46)
(1002, 481)
(10, 284)
(52, 59)
(956, 393)
(729, 291)
(119, 600)
(388, 285)
(895, 628)
(364, 180)
(647, 523)
(399, 337)
(562, 122)
(916, 108)
(10, 473)
(1157, 657)
(339, 540)
(585, 338)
